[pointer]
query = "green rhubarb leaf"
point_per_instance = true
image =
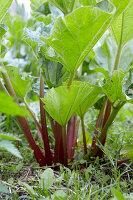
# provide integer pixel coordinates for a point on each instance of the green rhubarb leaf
(126, 58)
(65, 6)
(89, 2)
(54, 73)
(74, 36)
(8, 106)
(21, 85)
(105, 54)
(103, 71)
(8, 146)
(4, 6)
(62, 102)
(90, 100)
(113, 86)
(127, 26)
(121, 6)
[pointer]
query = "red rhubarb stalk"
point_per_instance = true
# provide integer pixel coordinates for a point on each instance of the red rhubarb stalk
(72, 134)
(44, 132)
(98, 124)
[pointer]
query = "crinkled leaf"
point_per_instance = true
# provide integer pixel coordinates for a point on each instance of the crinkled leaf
(113, 86)
(47, 178)
(90, 100)
(45, 19)
(8, 106)
(128, 25)
(21, 85)
(4, 6)
(33, 35)
(8, 146)
(65, 6)
(62, 102)
(31, 38)
(75, 35)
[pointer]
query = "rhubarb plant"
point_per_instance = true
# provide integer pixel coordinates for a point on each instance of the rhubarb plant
(61, 51)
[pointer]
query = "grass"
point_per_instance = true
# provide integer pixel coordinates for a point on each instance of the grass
(93, 179)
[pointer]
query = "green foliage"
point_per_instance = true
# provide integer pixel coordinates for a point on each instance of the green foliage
(8, 106)
(117, 194)
(105, 55)
(3, 189)
(16, 26)
(4, 6)
(93, 96)
(60, 44)
(47, 178)
(6, 144)
(62, 102)
(54, 73)
(3, 30)
(3, 50)
(8, 137)
(28, 188)
(128, 150)
(35, 4)
(65, 6)
(128, 26)
(75, 35)
(113, 86)
(89, 2)
(21, 85)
